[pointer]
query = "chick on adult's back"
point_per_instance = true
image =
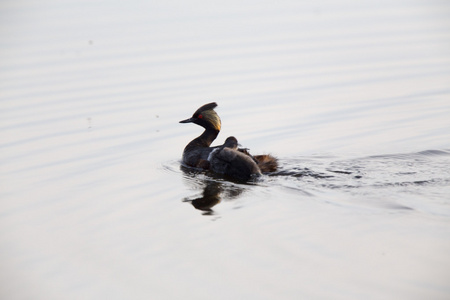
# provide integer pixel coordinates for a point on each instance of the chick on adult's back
(225, 159)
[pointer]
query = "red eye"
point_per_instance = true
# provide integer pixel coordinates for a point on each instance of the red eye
(200, 116)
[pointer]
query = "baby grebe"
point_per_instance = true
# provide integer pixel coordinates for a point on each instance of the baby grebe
(226, 159)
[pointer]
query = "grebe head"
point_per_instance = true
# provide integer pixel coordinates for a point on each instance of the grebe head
(206, 117)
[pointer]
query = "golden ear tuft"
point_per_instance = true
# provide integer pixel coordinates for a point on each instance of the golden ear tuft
(213, 118)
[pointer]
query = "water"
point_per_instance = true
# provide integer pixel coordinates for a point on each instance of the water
(353, 98)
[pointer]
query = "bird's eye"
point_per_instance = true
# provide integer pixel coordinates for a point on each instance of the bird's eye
(200, 117)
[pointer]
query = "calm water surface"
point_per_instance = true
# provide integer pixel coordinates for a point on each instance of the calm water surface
(353, 97)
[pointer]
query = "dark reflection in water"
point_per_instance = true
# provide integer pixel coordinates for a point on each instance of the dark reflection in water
(213, 190)
(210, 197)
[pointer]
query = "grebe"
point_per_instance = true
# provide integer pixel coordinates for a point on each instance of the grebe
(225, 159)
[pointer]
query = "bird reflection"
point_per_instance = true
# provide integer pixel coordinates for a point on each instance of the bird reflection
(213, 191)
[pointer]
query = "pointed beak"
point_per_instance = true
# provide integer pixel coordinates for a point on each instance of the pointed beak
(190, 120)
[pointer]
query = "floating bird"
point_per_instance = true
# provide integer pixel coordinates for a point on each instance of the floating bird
(227, 159)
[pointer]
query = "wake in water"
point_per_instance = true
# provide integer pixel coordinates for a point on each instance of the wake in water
(412, 177)
(429, 167)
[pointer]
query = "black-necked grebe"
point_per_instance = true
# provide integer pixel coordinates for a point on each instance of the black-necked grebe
(225, 159)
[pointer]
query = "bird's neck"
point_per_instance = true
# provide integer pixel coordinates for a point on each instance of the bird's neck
(208, 136)
(205, 139)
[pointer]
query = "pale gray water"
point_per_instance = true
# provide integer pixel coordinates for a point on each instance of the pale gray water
(352, 96)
